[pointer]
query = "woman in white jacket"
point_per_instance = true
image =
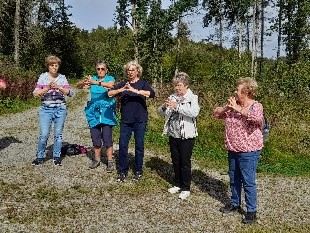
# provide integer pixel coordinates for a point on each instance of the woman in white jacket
(180, 111)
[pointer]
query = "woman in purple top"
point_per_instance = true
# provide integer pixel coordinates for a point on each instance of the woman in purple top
(52, 87)
(133, 93)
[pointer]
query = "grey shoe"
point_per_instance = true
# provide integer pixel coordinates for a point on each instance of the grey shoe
(110, 166)
(95, 163)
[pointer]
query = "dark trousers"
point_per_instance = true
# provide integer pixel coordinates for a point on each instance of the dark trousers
(181, 153)
(126, 130)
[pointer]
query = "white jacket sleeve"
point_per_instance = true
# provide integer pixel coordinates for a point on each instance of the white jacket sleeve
(191, 108)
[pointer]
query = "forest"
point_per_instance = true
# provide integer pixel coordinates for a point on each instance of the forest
(159, 38)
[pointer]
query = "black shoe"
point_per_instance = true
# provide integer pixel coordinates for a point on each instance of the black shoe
(121, 177)
(231, 208)
(37, 162)
(138, 176)
(57, 161)
(249, 218)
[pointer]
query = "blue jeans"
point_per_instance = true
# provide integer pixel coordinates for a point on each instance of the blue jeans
(47, 116)
(242, 171)
(138, 128)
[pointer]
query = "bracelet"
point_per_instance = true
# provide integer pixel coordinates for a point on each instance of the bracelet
(99, 83)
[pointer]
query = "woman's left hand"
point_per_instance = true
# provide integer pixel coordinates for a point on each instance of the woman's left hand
(128, 87)
(232, 104)
(171, 104)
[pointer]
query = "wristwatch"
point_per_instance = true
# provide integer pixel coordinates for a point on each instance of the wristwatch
(99, 83)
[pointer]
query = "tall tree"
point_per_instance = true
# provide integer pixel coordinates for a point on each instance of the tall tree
(279, 40)
(153, 28)
(255, 36)
(16, 33)
(296, 28)
(215, 12)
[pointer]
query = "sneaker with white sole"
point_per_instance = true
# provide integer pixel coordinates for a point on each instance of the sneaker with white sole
(184, 195)
(57, 161)
(121, 177)
(174, 190)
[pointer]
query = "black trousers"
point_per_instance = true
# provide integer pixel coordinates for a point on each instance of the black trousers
(181, 153)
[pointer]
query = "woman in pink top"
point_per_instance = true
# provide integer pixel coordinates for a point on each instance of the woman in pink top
(243, 117)
(2, 84)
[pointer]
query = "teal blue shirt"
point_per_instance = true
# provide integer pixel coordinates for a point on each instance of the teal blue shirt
(101, 108)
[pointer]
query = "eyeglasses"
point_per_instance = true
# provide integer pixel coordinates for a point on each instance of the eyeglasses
(103, 69)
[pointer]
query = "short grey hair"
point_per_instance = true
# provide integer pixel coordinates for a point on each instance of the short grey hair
(101, 62)
(181, 77)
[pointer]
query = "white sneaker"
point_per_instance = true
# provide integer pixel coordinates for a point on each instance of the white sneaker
(184, 194)
(174, 190)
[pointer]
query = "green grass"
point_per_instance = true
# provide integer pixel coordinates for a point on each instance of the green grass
(9, 105)
(283, 154)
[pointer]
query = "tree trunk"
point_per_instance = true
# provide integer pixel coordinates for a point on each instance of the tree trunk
(220, 36)
(262, 34)
(248, 33)
(178, 47)
(135, 29)
(16, 33)
(279, 33)
(240, 31)
(255, 38)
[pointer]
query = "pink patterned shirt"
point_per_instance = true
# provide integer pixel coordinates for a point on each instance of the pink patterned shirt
(244, 134)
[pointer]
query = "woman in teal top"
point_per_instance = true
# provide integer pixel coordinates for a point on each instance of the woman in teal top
(100, 113)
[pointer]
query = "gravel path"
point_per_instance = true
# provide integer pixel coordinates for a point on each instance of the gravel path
(73, 198)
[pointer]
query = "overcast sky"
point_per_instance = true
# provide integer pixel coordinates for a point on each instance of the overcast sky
(88, 14)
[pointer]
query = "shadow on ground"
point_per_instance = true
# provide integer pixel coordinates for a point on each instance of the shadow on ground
(7, 141)
(217, 189)
(162, 168)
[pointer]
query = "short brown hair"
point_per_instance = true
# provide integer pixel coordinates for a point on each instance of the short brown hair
(51, 59)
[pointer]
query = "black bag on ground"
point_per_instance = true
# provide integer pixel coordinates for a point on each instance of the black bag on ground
(70, 149)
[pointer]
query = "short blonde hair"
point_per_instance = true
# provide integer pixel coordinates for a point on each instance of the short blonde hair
(51, 59)
(133, 63)
(250, 86)
(181, 77)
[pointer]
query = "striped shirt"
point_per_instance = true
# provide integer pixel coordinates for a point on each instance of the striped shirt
(54, 97)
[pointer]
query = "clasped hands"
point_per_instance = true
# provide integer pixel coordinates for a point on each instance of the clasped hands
(128, 87)
(169, 103)
(53, 85)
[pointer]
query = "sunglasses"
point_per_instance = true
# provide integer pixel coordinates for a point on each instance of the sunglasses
(103, 69)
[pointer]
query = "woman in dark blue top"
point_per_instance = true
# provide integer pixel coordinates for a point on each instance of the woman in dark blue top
(133, 93)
